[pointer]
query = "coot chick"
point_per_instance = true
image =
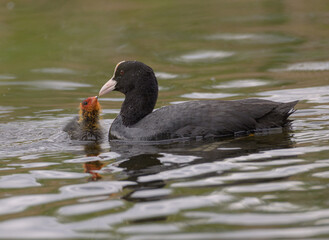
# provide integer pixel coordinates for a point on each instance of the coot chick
(86, 126)
(207, 119)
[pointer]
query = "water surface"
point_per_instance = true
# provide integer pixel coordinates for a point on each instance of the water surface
(273, 185)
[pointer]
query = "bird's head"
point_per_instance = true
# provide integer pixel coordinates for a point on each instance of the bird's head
(90, 108)
(90, 104)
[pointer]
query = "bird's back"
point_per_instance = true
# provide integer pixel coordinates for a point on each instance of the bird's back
(212, 118)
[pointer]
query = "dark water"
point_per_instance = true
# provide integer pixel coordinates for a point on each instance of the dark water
(268, 186)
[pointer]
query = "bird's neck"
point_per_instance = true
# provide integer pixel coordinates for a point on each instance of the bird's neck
(137, 105)
(89, 119)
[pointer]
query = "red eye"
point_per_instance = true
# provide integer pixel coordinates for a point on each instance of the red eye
(122, 72)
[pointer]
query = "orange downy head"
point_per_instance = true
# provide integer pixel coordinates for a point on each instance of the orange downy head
(90, 106)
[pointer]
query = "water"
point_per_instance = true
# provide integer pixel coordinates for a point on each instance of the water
(273, 185)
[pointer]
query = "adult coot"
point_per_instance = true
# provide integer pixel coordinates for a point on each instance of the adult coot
(86, 127)
(212, 118)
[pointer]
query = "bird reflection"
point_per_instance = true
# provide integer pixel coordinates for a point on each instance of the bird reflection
(142, 165)
(92, 149)
(206, 151)
(143, 160)
(138, 160)
(92, 167)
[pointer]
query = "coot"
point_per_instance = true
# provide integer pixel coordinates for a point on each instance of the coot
(207, 119)
(86, 127)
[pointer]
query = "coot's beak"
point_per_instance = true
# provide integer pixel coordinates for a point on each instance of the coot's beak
(108, 87)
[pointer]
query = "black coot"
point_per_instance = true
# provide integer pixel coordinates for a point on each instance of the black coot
(212, 118)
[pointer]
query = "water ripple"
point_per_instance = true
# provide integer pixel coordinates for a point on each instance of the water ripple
(279, 153)
(87, 208)
(264, 233)
(149, 228)
(101, 157)
(50, 174)
(306, 66)
(266, 187)
(18, 181)
(188, 171)
(146, 210)
(276, 173)
(311, 94)
(7, 77)
(278, 207)
(48, 84)
(246, 202)
(321, 174)
(33, 165)
(151, 193)
(164, 75)
(243, 83)
(20, 203)
(172, 158)
(250, 219)
(252, 38)
(203, 56)
(54, 70)
(92, 188)
(40, 228)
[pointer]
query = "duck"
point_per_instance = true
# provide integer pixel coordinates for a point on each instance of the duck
(138, 121)
(86, 126)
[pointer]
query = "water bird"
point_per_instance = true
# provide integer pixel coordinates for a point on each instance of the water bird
(86, 126)
(194, 119)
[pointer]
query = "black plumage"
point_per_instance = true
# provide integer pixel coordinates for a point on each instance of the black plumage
(207, 119)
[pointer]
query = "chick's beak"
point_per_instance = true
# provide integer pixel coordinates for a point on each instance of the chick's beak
(95, 99)
(108, 87)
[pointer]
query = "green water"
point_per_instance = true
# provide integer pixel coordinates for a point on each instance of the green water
(53, 54)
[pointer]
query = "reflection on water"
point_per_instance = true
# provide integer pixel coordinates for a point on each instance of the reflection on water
(243, 83)
(54, 70)
(311, 94)
(306, 66)
(204, 56)
(92, 167)
(164, 75)
(273, 185)
(6, 77)
(46, 84)
(252, 38)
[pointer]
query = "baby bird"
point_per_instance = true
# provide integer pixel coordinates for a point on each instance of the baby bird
(86, 126)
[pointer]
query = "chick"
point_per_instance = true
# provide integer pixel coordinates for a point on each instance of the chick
(86, 126)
